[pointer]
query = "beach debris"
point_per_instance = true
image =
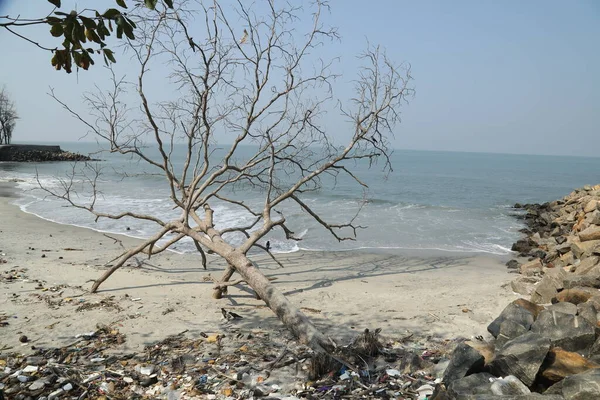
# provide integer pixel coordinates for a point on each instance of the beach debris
(233, 363)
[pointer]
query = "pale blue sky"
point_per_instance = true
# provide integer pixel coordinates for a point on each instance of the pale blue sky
(490, 76)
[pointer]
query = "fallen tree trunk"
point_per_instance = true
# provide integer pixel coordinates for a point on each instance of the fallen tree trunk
(290, 316)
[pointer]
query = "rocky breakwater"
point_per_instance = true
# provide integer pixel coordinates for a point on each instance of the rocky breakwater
(545, 345)
(38, 153)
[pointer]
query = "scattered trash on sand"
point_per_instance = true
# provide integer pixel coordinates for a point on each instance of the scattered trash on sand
(232, 364)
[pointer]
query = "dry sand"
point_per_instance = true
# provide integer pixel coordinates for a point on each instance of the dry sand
(344, 292)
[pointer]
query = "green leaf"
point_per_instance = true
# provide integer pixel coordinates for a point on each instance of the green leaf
(109, 54)
(56, 3)
(151, 4)
(56, 30)
(78, 32)
(122, 3)
(131, 23)
(125, 27)
(111, 13)
(53, 20)
(169, 3)
(88, 22)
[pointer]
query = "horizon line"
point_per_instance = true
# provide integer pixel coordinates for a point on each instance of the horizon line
(393, 149)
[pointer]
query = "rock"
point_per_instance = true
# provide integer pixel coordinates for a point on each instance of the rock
(509, 330)
(560, 363)
(514, 312)
(548, 287)
(521, 357)
(595, 218)
(473, 384)
(541, 254)
(484, 348)
(584, 249)
(592, 281)
(588, 312)
(529, 306)
(586, 265)
(509, 385)
(571, 332)
(591, 205)
(513, 264)
(37, 385)
(464, 361)
(531, 268)
(560, 239)
(591, 233)
(523, 285)
(575, 295)
(568, 258)
(582, 386)
(563, 248)
(523, 245)
(563, 307)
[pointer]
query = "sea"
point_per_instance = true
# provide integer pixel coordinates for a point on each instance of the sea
(432, 200)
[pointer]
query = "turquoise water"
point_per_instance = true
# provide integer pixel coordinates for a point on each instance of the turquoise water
(447, 201)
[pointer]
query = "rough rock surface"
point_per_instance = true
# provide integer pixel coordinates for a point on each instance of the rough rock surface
(521, 357)
(571, 332)
(465, 361)
(514, 312)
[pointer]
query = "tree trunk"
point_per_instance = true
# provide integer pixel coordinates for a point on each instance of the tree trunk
(291, 317)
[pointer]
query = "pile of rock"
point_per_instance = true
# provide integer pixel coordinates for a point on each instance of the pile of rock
(38, 153)
(548, 345)
(41, 156)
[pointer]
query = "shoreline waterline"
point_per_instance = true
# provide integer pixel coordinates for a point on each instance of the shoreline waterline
(16, 195)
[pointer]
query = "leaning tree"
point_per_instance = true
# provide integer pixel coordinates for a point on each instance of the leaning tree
(257, 76)
(8, 116)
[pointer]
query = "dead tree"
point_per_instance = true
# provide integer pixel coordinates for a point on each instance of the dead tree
(255, 77)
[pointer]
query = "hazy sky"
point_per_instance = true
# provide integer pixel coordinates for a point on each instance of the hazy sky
(490, 76)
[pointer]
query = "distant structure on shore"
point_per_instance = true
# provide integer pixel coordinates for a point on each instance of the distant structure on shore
(37, 153)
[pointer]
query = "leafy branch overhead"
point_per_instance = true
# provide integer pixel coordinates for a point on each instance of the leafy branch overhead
(84, 33)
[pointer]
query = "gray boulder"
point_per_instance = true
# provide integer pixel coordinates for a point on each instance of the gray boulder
(471, 385)
(586, 265)
(571, 332)
(464, 361)
(563, 307)
(508, 331)
(548, 287)
(521, 357)
(514, 312)
(589, 280)
(523, 284)
(584, 386)
(513, 264)
(588, 312)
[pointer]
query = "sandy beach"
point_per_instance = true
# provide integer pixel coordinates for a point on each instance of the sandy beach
(442, 295)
